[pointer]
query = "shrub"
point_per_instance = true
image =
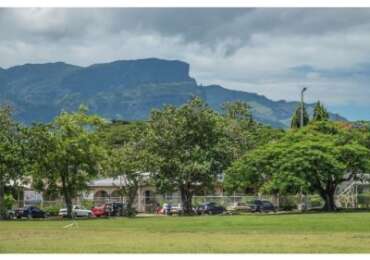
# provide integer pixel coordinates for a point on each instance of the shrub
(88, 204)
(315, 201)
(52, 210)
(288, 202)
(364, 200)
(9, 201)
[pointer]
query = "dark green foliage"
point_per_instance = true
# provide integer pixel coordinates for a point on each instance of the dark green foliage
(296, 118)
(320, 113)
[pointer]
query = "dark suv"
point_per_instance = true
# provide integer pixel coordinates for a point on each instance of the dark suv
(118, 209)
(261, 206)
(209, 208)
(30, 212)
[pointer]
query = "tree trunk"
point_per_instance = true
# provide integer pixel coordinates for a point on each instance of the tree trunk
(329, 201)
(131, 195)
(67, 198)
(186, 199)
(2, 201)
(68, 201)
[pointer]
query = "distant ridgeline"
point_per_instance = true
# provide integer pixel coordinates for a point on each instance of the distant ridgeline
(122, 90)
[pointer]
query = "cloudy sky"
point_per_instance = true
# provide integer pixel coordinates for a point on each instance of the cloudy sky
(273, 52)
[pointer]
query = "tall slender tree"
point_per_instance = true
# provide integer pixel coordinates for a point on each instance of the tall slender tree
(296, 118)
(320, 113)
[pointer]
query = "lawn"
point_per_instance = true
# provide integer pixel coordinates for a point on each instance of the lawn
(298, 233)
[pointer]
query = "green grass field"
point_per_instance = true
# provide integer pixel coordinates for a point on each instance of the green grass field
(298, 233)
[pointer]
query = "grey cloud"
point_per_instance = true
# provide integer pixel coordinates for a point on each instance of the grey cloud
(205, 26)
(249, 49)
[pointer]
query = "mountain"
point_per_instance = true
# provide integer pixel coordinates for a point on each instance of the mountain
(125, 90)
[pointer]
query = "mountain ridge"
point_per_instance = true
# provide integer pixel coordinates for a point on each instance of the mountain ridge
(122, 89)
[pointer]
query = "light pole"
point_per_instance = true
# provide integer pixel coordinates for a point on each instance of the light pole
(304, 89)
(302, 106)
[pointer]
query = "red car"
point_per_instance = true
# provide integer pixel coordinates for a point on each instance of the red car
(102, 211)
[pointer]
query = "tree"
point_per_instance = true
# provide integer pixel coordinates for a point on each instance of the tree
(240, 133)
(238, 110)
(12, 159)
(312, 160)
(320, 113)
(183, 140)
(129, 158)
(67, 153)
(296, 118)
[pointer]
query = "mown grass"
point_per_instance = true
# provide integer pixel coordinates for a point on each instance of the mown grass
(298, 233)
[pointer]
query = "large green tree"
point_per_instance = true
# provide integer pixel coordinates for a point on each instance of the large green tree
(67, 154)
(184, 142)
(12, 153)
(317, 160)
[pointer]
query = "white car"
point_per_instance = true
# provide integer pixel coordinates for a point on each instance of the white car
(239, 207)
(77, 211)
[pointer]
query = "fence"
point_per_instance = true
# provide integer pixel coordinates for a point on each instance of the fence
(150, 204)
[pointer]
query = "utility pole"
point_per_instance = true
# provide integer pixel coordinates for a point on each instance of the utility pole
(302, 106)
(304, 89)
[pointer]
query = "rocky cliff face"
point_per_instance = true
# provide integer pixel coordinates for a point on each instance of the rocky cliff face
(126, 90)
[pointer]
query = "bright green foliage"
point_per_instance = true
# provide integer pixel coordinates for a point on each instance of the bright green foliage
(320, 113)
(296, 118)
(317, 159)
(12, 153)
(184, 142)
(67, 154)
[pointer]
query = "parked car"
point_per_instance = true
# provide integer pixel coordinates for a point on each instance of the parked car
(169, 209)
(77, 211)
(110, 209)
(239, 207)
(30, 212)
(166, 209)
(104, 210)
(262, 206)
(210, 208)
(10, 214)
(118, 209)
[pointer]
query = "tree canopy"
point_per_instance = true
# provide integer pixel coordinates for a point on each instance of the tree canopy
(184, 142)
(316, 159)
(67, 153)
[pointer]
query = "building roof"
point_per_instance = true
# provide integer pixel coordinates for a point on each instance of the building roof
(113, 182)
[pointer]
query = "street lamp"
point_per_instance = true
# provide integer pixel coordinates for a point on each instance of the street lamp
(302, 105)
(304, 89)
